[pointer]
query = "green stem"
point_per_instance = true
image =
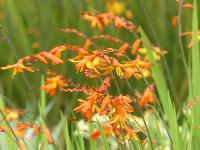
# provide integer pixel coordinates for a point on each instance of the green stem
(148, 133)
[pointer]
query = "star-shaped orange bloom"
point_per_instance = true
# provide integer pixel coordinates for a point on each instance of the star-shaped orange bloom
(95, 64)
(148, 96)
(106, 106)
(87, 107)
(121, 110)
(52, 84)
(98, 20)
(18, 68)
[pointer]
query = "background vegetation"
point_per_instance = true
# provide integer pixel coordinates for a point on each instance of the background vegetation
(28, 26)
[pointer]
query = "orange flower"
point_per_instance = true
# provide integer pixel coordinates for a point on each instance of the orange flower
(87, 44)
(78, 50)
(95, 135)
(157, 52)
(53, 83)
(106, 106)
(94, 21)
(20, 129)
(148, 96)
(125, 102)
(101, 20)
(98, 20)
(120, 70)
(128, 133)
(45, 130)
(135, 46)
(120, 22)
(121, 50)
(3, 129)
(18, 67)
(86, 62)
(94, 65)
(42, 56)
(88, 107)
(105, 84)
(108, 129)
(12, 114)
(56, 51)
(122, 107)
(137, 68)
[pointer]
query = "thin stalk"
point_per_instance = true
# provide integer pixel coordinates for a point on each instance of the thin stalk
(6, 38)
(11, 46)
(148, 21)
(158, 43)
(159, 105)
(139, 125)
(25, 143)
(147, 83)
(179, 35)
(16, 138)
(167, 130)
(148, 133)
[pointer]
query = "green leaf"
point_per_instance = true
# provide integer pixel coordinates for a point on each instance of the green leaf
(195, 76)
(164, 96)
(103, 137)
(66, 133)
(93, 143)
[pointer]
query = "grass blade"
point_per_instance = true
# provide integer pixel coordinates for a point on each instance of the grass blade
(195, 75)
(163, 94)
(69, 145)
(104, 140)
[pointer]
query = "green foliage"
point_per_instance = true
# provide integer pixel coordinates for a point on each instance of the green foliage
(164, 96)
(31, 26)
(195, 76)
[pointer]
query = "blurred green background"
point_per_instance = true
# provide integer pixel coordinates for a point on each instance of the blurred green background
(29, 26)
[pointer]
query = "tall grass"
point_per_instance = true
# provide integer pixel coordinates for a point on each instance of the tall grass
(31, 26)
(195, 73)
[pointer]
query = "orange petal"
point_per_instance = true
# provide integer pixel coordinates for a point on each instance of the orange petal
(95, 135)
(174, 21)
(87, 44)
(135, 46)
(48, 135)
(188, 5)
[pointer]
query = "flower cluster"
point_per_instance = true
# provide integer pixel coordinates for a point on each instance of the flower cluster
(18, 129)
(129, 60)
